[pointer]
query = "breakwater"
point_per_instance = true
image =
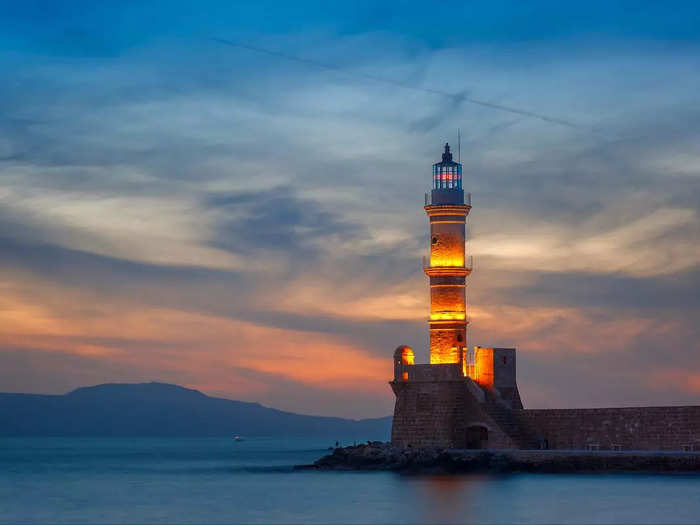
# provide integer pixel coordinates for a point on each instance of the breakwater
(384, 456)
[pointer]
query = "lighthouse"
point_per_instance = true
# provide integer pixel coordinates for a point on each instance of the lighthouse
(447, 266)
(469, 398)
(452, 400)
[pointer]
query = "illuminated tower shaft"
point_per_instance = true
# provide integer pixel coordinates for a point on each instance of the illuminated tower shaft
(448, 266)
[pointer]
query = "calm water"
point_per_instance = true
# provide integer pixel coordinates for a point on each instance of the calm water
(67, 480)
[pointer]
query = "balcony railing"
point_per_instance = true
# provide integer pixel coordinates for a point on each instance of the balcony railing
(467, 199)
(445, 317)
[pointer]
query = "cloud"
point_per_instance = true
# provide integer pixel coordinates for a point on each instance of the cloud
(203, 349)
(684, 380)
(646, 245)
(177, 211)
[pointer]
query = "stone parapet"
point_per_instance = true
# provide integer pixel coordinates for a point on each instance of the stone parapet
(630, 428)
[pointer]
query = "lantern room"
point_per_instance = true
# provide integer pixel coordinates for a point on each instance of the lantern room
(447, 174)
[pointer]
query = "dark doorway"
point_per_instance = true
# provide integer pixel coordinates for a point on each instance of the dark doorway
(477, 437)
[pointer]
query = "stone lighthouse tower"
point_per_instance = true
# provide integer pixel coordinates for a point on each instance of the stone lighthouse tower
(448, 266)
(458, 399)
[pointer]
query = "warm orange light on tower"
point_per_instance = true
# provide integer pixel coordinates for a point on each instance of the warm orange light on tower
(403, 357)
(483, 366)
(448, 316)
(447, 268)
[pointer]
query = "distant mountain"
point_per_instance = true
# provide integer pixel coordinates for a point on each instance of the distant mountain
(159, 409)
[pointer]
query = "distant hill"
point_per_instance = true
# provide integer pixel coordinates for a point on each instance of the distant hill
(159, 409)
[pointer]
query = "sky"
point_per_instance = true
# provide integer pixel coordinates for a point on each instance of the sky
(245, 217)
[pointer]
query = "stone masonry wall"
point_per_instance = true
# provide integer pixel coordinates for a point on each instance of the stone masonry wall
(643, 428)
(447, 243)
(448, 299)
(437, 413)
(446, 342)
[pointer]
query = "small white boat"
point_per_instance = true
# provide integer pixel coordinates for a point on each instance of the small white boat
(237, 438)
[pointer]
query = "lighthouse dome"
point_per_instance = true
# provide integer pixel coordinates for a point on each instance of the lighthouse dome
(404, 355)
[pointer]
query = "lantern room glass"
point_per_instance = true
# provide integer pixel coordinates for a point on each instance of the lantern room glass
(447, 176)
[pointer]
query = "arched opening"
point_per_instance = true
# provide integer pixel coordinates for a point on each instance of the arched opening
(477, 437)
(403, 358)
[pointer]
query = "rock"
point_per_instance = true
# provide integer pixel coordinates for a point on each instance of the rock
(376, 455)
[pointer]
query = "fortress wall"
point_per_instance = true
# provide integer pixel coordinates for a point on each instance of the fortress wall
(633, 428)
(437, 413)
(426, 413)
(442, 372)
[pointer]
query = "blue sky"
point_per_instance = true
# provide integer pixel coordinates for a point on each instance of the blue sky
(114, 27)
(181, 210)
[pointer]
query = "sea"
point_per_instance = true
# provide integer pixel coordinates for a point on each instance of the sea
(221, 480)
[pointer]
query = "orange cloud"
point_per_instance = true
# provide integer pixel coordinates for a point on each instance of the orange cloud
(209, 348)
(561, 329)
(675, 379)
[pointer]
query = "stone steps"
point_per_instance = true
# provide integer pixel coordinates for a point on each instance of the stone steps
(508, 423)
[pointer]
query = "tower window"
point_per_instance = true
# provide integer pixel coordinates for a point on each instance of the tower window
(505, 360)
(434, 240)
(459, 338)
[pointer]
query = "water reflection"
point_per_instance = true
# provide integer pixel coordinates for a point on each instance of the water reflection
(445, 499)
(209, 480)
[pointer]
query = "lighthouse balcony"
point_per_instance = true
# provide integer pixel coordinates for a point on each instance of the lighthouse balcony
(447, 197)
(436, 270)
(448, 319)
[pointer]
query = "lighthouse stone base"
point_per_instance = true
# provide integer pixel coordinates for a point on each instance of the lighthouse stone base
(440, 406)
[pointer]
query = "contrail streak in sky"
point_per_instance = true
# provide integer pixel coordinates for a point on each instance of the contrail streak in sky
(458, 97)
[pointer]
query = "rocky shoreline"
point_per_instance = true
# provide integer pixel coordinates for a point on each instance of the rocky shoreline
(384, 456)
